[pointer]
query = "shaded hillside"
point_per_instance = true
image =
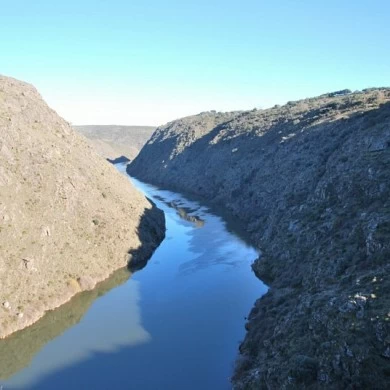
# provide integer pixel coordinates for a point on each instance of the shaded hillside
(114, 141)
(68, 219)
(311, 180)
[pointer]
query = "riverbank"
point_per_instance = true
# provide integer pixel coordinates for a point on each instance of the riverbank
(311, 182)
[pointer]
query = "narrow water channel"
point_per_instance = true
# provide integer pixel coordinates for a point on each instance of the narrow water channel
(175, 324)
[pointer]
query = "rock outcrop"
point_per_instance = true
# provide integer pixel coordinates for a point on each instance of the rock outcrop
(68, 218)
(311, 181)
(112, 141)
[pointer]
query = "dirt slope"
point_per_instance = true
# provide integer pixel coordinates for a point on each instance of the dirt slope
(68, 219)
(311, 180)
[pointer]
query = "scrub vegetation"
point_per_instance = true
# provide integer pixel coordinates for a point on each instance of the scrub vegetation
(311, 181)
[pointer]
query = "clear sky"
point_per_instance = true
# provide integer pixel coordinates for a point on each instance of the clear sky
(148, 62)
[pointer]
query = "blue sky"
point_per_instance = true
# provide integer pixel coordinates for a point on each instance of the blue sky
(148, 62)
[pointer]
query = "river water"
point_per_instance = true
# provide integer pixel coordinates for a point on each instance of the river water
(175, 324)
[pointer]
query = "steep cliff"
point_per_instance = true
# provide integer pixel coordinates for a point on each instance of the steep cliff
(68, 219)
(311, 181)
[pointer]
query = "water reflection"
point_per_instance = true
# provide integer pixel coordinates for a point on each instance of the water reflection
(183, 212)
(100, 331)
(192, 297)
(213, 245)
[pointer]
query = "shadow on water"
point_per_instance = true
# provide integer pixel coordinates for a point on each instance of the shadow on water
(119, 160)
(151, 231)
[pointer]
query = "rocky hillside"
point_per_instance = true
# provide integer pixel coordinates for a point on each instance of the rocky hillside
(68, 219)
(115, 141)
(311, 181)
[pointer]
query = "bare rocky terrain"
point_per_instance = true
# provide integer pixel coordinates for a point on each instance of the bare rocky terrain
(113, 141)
(68, 218)
(311, 181)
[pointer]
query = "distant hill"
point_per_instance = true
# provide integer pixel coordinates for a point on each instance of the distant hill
(112, 141)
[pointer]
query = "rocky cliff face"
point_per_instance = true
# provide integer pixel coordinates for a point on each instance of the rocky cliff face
(68, 219)
(311, 181)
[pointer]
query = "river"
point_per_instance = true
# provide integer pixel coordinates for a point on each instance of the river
(175, 324)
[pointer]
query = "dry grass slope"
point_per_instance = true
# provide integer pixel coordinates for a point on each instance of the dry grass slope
(68, 219)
